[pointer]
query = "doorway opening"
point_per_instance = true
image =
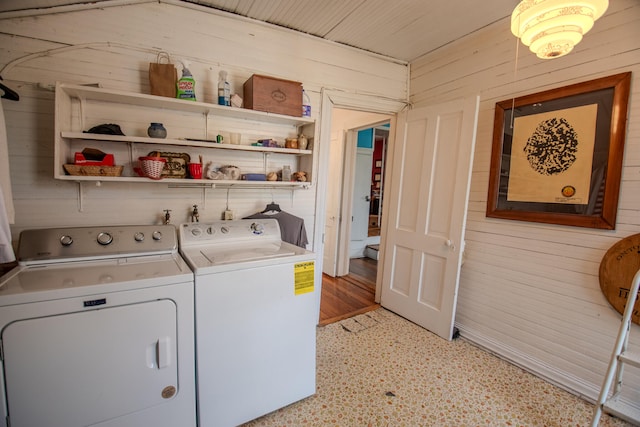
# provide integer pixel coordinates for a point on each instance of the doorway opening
(353, 217)
(351, 186)
(380, 138)
(362, 195)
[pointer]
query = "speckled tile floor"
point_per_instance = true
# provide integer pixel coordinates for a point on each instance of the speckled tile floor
(379, 370)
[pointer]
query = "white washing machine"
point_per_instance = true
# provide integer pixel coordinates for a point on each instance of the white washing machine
(97, 330)
(256, 315)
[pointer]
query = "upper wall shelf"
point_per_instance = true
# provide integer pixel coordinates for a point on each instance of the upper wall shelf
(152, 101)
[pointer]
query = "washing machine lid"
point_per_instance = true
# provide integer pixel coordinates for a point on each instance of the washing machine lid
(217, 258)
(221, 256)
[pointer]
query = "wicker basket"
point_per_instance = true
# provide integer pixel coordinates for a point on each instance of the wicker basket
(85, 170)
(152, 166)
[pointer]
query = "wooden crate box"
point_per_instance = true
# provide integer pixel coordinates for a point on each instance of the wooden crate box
(273, 95)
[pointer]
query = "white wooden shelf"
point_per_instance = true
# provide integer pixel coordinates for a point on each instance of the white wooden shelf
(192, 142)
(78, 108)
(152, 101)
(187, 182)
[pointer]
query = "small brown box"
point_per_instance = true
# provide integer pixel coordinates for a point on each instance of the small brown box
(273, 95)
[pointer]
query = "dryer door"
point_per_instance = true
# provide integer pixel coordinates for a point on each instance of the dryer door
(81, 368)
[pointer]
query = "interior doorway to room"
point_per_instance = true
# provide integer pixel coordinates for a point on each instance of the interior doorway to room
(343, 112)
(353, 213)
(363, 195)
(348, 209)
(369, 192)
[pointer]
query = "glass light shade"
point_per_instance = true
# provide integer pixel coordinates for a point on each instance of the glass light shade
(551, 28)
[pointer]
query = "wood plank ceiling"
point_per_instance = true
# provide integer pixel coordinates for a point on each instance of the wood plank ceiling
(401, 29)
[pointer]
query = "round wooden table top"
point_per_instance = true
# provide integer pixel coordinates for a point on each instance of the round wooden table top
(617, 269)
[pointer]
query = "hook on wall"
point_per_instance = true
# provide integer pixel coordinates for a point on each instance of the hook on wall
(8, 93)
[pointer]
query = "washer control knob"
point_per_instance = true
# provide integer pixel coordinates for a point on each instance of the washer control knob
(257, 228)
(196, 232)
(66, 240)
(157, 235)
(139, 236)
(105, 238)
(224, 229)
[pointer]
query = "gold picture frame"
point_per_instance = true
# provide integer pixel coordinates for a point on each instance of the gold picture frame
(557, 155)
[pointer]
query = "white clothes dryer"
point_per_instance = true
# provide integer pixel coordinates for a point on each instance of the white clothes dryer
(97, 330)
(256, 315)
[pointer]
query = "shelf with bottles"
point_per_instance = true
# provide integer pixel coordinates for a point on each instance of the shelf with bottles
(192, 127)
(92, 93)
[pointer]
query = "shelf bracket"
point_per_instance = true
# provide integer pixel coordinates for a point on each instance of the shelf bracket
(81, 106)
(80, 197)
(265, 158)
(131, 161)
(206, 125)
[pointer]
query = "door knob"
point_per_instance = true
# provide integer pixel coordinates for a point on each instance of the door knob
(367, 198)
(448, 243)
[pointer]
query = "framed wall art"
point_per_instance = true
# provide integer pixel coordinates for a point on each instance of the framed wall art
(557, 155)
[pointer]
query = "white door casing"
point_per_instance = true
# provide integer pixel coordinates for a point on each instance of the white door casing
(331, 98)
(426, 210)
(350, 142)
(332, 213)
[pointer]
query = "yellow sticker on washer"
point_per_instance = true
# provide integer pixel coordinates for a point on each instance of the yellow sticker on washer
(304, 277)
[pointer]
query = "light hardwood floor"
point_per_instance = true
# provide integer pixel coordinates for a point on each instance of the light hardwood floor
(348, 296)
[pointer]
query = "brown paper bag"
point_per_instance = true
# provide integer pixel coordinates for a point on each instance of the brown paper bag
(163, 77)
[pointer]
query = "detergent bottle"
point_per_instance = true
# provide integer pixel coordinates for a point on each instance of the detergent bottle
(224, 90)
(186, 86)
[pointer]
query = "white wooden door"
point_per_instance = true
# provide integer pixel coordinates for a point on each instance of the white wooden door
(361, 195)
(427, 203)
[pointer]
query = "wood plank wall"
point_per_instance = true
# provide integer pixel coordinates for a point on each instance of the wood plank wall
(113, 45)
(530, 292)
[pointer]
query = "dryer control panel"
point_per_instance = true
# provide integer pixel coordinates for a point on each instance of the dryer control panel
(46, 246)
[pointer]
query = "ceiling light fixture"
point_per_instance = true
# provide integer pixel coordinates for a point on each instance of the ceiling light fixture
(551, 28)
